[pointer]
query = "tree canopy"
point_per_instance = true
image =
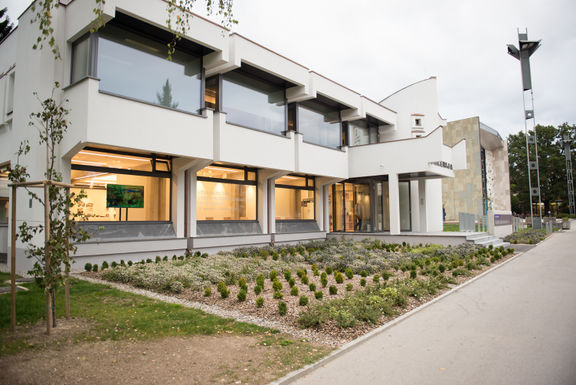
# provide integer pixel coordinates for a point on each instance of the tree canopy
(5, 25)
(552, 164)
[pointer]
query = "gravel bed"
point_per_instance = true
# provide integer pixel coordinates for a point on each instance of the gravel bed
(225, 313)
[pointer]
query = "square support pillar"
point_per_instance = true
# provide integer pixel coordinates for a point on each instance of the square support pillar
(394, 195)
(422, 205)
(415, 206)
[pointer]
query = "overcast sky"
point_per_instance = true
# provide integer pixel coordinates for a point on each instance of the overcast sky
(379, 46)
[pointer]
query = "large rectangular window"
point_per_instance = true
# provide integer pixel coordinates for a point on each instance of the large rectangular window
(135, 66)
(122, 186)
(294, 198)
(253, 103)
(320, 124)
(226, 193)
(81, 57)
(362, 132)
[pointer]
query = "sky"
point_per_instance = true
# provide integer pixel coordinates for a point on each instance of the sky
(376, 47)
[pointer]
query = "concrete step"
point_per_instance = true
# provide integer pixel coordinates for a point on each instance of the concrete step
(485, 239)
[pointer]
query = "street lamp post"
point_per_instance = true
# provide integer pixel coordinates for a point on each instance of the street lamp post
(523, 53)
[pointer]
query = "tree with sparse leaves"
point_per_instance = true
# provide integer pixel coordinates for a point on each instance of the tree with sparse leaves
(5, 26)
(552, 165)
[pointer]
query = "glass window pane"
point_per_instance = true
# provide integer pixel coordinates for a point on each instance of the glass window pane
(217, 201)
(221, 172)
(294, 204)
(136, 67)
(292, 180)
(405, 220)
(4, 203)
(104, 159)
(252, 103)
(251, 176)
(359, 133)
(80, 60)
(319, 127)
(156, 196)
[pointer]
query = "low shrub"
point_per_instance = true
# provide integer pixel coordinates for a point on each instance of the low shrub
(363, 282)
(291, 282)
(223, 289)
(104, 265)
(130, 263)
(113, 264)
(287, 275)
(158, 259)
(349, 287)
(329, 270)
(294, 291)
(376, 278)
(277, 294)
(386, 275)
(259, 302)
(257, 289)
(241, 295)
(95, 268)
(88, 267)
(273, 275)
(318, 294)
(363, 273)
(349, 273)
(304, 280)
(413, 274)
(282, 308)
(260, 280)
(242, 283)
(303, 300)
(312, 287)
(333, 290)
(207, 291)
(339, 277)
(276, 285)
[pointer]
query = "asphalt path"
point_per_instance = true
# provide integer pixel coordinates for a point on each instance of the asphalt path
(514, 325)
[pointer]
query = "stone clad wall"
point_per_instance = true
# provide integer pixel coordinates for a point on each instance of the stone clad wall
(499, 184)
(463, 193)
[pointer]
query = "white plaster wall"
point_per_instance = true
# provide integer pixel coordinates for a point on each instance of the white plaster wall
(418, 98)
(335, 91)
(459, 156)
(317, 160)
(402, 156)
(378, 111)
(434, 205)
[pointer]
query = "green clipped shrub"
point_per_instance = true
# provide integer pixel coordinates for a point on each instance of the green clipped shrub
(113, 264)
(303, 300)
(257, 289)
(376, 278)
(223, 289)
(242, 283)
(318, 294)
(277, 294)
(333, 290)
(273, 275)
(88, 267)
(339, 277)
(158, 259)
(413, 274)
(204, 255)
(349, 273)
(282, 308)
(276, 285)
(149, 260)
(349, 287)
(130, 263)
(442, 268)
(287, 274)
(259, 302)
(294, 291)
(386, 275)
(207, 291)
(312, 287)
(122, 263)
(104, 265)
(364, 274)
(304, 280)
(291, 282)
(328, 270)
(363, 282)
(165, 258)
(260, 280)
(241, 295)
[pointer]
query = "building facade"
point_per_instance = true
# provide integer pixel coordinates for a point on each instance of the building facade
(482, 186)
(229, 144)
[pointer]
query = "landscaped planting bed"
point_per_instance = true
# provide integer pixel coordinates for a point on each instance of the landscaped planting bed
(339, 288)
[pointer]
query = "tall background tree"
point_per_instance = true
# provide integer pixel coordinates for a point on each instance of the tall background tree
(552, 164)
(5, 25)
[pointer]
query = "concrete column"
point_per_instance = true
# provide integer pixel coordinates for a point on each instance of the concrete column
(192, 168)
(263, 196)
(272, 206)
(422, 205)
(394, 195)
(415, 206)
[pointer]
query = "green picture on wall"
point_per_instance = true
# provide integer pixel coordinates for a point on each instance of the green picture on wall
(124, 196)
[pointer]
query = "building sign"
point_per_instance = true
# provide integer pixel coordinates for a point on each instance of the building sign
(502, 219)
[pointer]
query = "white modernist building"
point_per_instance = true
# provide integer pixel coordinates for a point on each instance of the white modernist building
(228, 144)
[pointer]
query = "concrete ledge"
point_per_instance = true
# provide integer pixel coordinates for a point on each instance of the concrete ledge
(226, 242)
(444, 239)
(298, 237)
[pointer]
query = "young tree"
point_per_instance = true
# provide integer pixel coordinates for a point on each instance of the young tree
(5, 25)
(52, 261)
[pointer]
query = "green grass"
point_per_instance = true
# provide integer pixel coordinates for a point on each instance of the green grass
(451, 227)
(6, 277)
(114, 315)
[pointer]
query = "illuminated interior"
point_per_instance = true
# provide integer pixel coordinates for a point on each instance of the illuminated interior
(226, 193)
(149, 175)
(294, 198)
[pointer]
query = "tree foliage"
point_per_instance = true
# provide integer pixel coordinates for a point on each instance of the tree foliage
(179, 14)
(5, 25)
(552, 165)
(165, 98)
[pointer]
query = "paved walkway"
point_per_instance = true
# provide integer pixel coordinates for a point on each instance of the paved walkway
(515, 325)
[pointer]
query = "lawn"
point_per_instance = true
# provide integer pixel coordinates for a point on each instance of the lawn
(451, 227)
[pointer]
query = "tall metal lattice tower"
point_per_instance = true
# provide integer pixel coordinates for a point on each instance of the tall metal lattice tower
(567, 142)
(523, 53)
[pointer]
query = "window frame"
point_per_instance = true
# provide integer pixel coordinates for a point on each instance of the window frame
(300, 105)
(310, 186)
